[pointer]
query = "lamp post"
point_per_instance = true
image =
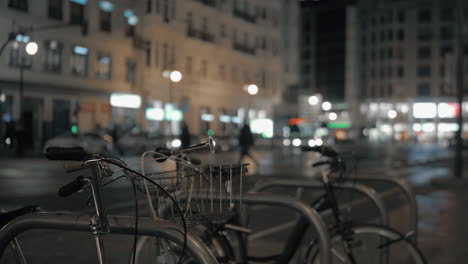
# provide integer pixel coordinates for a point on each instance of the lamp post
(31, 50)
(252, 89)
(392, 114)
(174, 77)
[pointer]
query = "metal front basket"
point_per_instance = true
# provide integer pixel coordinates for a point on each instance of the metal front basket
(210, 193)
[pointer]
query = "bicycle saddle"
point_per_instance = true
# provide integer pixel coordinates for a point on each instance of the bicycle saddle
(6, 217)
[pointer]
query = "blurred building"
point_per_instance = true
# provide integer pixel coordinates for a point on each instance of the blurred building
(124, 47)
(329, 63)
(408, 73)
(290, 45)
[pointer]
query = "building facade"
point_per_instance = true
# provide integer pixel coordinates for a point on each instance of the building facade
(408, 67)
(104, 63)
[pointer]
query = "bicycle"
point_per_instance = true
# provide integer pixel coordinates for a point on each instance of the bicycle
(355, 243)
(175, 237)
(195, 188)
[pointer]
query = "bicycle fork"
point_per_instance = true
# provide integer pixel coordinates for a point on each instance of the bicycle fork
(99, 223)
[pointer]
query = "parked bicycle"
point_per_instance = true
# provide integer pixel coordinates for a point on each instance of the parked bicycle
(174, 237)
(355, 243)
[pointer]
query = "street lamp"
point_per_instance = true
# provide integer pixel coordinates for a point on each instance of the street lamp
(326, 106)
(31, 50)
(252, 89)
(174, 77)
(313, 100)
(392, 114)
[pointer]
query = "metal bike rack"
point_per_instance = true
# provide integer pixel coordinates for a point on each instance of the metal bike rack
(359, 188)
(117, 225)
(279, 200)
(408, 194)
(370, 193)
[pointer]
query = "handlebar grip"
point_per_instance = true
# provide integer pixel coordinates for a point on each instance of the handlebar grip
(71, 153)
(72, 187)
(320, 163)
(164, 154)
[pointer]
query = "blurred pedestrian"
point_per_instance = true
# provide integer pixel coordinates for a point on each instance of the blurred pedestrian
(19, 135)
(115, 134)
(246, 141)
(185, 135)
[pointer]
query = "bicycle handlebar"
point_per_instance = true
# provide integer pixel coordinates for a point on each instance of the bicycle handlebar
(69, 153)
(163, 154)
(72, 187)
(320, 163)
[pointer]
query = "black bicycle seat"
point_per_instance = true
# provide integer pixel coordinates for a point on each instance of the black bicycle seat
(6, 217)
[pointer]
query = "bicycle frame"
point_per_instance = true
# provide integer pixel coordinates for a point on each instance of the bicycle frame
(310, 215)
(116, 225)
(295, 237)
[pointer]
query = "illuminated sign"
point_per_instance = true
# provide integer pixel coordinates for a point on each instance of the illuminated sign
(155, 114)
(207, 117)
(448, 110)
(225, 118)
(262, 126)
(338, 125)
(424, 110)
(125, 100)
(172, 113)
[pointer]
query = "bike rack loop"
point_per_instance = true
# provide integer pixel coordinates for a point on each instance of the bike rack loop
(117, 225)
(280, 200)
(365, 190)
(406, 191)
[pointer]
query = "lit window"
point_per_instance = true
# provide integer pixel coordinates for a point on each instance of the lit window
(53, 56)
(104, 67)
(131, 71)
(79, 61)
(105, 11)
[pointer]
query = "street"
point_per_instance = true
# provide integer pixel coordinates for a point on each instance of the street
(36, 181)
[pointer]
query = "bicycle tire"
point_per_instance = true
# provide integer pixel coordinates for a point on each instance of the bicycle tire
(163, 252)
(401, 249)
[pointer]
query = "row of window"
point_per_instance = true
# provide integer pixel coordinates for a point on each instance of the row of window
(422, 90)
(79, 60)
(77, 12)
(423, 34)
(261, 41)
(241, 9)
(386, 72)
(426, 15)
(385, 54)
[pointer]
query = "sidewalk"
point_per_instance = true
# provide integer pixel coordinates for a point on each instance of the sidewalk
(443, 216)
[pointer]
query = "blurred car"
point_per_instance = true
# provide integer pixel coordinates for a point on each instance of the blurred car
(137, 143)
(93, 142)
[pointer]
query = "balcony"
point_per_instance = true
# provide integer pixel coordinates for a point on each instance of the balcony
(211, 3)
(244, 15)
(199, 34)
(243, 48)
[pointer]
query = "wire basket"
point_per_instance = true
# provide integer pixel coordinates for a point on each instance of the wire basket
(211, 193)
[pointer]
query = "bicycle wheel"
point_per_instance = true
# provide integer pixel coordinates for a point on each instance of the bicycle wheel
(370, 244)
(161, 251)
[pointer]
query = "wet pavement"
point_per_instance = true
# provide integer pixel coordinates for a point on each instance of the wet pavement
(442, 213)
